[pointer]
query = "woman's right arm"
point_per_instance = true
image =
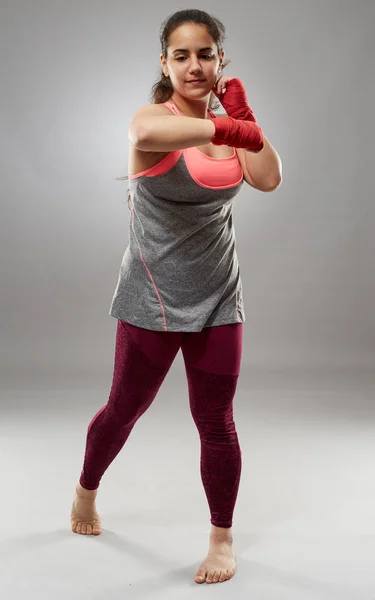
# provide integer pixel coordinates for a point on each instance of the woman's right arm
(152, 130)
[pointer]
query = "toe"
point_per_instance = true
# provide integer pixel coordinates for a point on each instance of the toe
(78, 527)
(216, 576)
(89, 530)
(223, 576)
(210, 575)
(84, 528)
(200, 576)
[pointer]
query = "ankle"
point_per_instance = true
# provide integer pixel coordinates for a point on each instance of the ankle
(221, 535)
(84, 493)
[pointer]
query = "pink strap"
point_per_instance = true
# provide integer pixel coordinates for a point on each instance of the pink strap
(176, 111)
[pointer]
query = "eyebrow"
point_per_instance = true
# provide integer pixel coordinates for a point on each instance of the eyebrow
(186, 51)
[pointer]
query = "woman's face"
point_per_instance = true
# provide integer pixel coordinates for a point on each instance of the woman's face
(192, 54)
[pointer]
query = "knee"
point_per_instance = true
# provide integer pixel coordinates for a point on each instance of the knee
(220, 428)
(123, 412)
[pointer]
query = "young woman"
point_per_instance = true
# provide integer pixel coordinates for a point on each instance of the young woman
(179, 284)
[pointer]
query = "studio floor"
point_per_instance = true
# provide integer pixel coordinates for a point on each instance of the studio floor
(304, 522)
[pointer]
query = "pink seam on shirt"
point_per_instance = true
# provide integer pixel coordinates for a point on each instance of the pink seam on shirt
(149, 273)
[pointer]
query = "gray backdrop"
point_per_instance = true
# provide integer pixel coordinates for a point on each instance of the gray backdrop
(73, 74)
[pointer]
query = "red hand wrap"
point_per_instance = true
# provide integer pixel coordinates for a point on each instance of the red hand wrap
(239, 134)
(235, 102)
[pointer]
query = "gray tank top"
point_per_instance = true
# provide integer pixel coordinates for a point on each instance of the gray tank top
(180, 271)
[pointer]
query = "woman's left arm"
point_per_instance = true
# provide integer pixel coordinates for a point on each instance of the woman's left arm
(262, 170)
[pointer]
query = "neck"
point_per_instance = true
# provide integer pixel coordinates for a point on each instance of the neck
(197, 109)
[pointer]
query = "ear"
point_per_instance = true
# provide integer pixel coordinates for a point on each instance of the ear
(164, 65)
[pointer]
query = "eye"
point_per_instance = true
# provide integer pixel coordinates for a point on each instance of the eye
(208, 56)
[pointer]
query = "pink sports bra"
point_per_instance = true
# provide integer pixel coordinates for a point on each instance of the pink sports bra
(206, 171)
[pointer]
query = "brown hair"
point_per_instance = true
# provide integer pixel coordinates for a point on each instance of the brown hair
(162, 89)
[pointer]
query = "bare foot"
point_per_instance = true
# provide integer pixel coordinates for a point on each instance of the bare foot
(84, 518)
(220, 564)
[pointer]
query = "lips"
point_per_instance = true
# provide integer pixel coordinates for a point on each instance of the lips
(195, 80)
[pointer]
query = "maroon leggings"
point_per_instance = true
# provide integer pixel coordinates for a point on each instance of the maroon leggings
(142, 360)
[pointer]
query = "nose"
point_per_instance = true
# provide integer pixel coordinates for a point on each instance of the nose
(194, 66)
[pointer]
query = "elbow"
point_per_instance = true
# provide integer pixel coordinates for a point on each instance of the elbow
(273, 185)
(276, 180)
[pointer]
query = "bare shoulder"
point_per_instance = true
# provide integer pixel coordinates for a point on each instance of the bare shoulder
(151, 110)
(140, 160)
(145, 112)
